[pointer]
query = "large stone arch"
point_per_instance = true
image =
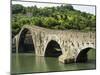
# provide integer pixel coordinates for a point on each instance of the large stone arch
(24, 35)
(70, 42)
(82, 54)
(50, 51)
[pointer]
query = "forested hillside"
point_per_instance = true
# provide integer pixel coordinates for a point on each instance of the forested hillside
(60, 17)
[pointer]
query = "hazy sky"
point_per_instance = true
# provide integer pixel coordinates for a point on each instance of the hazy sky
(88, 9)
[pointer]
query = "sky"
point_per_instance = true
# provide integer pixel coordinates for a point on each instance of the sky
(82, 8)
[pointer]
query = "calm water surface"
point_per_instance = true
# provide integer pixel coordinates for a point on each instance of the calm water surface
(28, 63)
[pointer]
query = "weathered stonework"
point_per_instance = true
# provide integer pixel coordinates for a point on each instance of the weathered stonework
(71, 42)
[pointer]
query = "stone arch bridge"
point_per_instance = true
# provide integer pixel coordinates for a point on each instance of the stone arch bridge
(68, 45)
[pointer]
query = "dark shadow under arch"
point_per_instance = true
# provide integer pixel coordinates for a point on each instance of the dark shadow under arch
(83, 55)
(14, 45)
(26, 42)
(53, 49)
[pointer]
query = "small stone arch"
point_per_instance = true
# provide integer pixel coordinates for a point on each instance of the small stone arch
(82, 55)
(53, 49)
(26, 41)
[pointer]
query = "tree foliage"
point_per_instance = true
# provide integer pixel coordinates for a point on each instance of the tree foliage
(59, 17)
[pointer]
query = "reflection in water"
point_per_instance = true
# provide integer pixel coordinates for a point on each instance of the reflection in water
(28, 63)
(40, 62)
(17, 63)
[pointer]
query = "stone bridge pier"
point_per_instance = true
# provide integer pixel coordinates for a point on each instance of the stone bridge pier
(68, 45)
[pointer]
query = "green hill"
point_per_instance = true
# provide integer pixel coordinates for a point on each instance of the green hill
(59, 17)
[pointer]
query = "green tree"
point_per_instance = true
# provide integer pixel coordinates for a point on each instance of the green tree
(17, 8)
(58, 17)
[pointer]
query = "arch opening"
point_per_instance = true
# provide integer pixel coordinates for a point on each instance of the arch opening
(53, 49)
(85, 55)
(26, 42)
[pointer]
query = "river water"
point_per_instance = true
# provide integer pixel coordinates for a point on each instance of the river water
(29, 63)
